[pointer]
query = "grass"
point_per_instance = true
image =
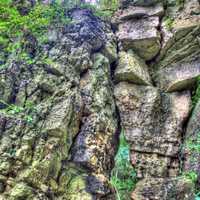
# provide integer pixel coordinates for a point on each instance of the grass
(123, 177)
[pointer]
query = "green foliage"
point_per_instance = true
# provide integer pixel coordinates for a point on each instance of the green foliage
(25, 113)
(180, 3)
(13, 25)
(196, 93)
(169, 22)
(194, 144)
(103, 8)
(123, 176)
(191, 175)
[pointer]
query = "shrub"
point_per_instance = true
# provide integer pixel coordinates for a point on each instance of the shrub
(123, 177)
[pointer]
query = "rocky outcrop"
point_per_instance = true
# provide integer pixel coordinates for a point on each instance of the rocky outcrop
(164, 189)
(154, 117)
(58, 121)
(61, 113)
(141, 35)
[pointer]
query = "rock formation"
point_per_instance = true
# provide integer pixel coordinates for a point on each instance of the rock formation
(89, 80)
(154, 115)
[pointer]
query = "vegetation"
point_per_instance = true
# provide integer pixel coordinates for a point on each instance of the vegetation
(123, 176)
(196, 93)
(169, 22)
(25, 113)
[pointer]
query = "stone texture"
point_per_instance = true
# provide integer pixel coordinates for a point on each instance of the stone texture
(165, 189)
(141, 35)
(131, 68)
(98, 128)
(137, 12)
(152, 121)
(191, 151)
(180, 39)
(46, 107)
(180, 76)
(154, 165)
(125, 3)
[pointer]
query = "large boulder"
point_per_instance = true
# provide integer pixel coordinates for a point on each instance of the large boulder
(153, 122)
(132, 68)
(141, 35)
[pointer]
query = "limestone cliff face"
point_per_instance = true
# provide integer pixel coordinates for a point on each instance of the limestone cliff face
(91, 79)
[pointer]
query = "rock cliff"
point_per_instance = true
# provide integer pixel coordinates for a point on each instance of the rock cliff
(61, 115)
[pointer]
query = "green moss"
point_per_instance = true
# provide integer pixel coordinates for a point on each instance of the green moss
(123, 177)
(196, 93)
(25, 113)
(168, 21)
(180, 3)
(191, 175)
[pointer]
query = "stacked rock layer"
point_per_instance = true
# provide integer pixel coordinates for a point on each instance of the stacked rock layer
(154, 99)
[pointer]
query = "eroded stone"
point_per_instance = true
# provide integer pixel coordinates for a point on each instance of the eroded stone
(141, 35)
(133, 69)
(137, 12)
(154, 165)
(191, 144)
(165, 189)
(180, 76)
(152, 121)
(180, 31)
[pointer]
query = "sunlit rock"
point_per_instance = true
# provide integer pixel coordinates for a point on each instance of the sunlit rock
(179, 76)
(132, 68)
(137, 12)
(153, 122)
(141, 35)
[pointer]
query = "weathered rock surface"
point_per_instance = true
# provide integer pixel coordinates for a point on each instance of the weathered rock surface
(191, 145)
(58, 118)
(165, 189)
(141, 35)
(180, 33)
(152, 121)
(180, 76)
(137, 12)
(154, 165)
(132, 68)
(64, 97)
(94, 146)
(125, 3)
